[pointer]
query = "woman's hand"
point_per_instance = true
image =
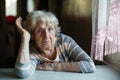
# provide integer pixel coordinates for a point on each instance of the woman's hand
(50, 66)
(24, 33)
(45, 66)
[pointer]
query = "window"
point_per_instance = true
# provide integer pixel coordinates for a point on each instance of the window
(11, 6)
(30, 5)
(106, 35)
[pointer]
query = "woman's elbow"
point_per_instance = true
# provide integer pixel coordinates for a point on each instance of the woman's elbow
(23, 73)
(92, 68)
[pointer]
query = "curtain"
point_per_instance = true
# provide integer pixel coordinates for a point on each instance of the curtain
(105, 24)
(99, 22)
(112, 42)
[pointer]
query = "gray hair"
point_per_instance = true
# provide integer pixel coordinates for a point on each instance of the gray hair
(33, 17)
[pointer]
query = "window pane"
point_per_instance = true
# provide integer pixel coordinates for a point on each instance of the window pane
(30, 5)
(11, 6)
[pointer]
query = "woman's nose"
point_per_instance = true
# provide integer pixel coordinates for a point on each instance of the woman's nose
(46, 33)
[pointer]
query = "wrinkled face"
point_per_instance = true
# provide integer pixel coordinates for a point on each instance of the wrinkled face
(44, 35)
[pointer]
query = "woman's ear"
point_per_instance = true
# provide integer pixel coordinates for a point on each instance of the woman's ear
(32, 34)
(32, 37)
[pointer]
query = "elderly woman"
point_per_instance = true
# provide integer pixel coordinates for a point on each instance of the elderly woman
(43, 47)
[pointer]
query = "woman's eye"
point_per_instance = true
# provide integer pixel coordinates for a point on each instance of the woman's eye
(50, 29)
(40, 30)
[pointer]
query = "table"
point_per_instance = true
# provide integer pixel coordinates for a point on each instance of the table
(101, 73)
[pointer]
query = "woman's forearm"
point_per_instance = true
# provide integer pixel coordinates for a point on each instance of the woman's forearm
(23, 54)
(68, 67)
(82, 66)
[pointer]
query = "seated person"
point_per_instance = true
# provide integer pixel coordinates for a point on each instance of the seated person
(44, 47)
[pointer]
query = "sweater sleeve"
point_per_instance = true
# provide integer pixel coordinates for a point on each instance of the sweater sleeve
(26, 70)
(77, 54)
